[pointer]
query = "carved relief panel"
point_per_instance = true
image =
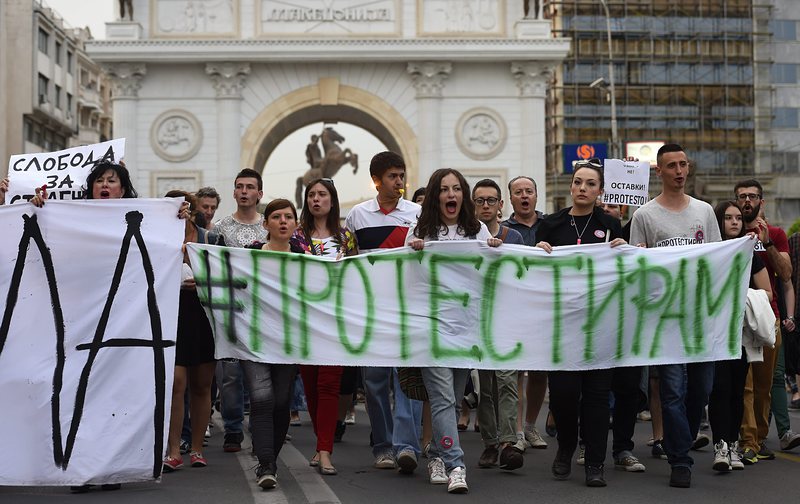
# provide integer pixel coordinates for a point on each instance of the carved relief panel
(481, 133)
(328, 17)
(176, 135)
(194, 18)
(461, 17)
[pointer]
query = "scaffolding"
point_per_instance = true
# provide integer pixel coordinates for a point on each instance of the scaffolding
(684, 72)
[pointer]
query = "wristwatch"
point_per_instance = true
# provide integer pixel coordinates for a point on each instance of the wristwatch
(768, 244)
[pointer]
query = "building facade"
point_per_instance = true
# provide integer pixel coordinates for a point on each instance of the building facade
(54, 96)
(700, 74)
(203, 88)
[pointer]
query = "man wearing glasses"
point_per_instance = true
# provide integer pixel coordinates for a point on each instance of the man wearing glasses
(765, 381)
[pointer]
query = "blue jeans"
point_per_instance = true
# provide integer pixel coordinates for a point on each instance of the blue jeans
(684, 394)
(391, 433)
(232, 396)
(445, 388)
(299, 396)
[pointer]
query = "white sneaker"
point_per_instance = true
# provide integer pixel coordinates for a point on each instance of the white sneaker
(534, 439)
(350, 418)
(385, 461)
(736, 457)
(521, 443)
(790, 440)
(437, 474)
(722, 457)
(457, 482)
(581, 456)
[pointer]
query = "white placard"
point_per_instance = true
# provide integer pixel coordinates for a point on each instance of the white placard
(89, 306)
(626, 182)
(463, 304)
(63, 172)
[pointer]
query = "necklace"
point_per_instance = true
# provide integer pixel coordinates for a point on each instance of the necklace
(572, 223)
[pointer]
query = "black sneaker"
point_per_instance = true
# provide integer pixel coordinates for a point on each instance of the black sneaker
(594, 476)
(511, 458)
(749, 457)
(339, 433)
(700, 441)
(765, 453)
(680, 477)
(658, 449)
(266, 477)
(562, 465)
(233, 442)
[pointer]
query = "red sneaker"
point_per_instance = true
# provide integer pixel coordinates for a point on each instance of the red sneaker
(198, 460)
(172, 464)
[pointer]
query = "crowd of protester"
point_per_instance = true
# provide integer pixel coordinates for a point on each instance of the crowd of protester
(738, 397)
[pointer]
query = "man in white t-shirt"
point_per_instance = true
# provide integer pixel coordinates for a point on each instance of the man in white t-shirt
(675, 218)
(383, 223)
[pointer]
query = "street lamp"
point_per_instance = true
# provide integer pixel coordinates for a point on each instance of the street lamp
(614, 138)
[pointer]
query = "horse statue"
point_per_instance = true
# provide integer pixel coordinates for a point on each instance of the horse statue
(324, 165)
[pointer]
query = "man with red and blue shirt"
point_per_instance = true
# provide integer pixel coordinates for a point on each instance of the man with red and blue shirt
(383, 223)
(764, 389)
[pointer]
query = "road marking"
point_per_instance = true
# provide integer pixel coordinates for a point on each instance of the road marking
(260, 496)
(788, 456)
(311, 482)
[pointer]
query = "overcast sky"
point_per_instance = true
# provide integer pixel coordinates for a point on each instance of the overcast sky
(80, 13)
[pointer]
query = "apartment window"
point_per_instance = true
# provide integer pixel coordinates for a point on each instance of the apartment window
(70, 59)
(58, 96)
(44, 41)
(69, 102)
(783, 29)
(783, 73)
(44, 84)
(58, 53)
(785, 117)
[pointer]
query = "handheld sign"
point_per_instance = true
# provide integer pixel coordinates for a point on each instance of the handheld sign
(626, 182)
(63, 173)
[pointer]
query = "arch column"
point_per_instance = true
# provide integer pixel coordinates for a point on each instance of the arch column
(228, 80)
(428, 78)
(126, 80)
(532, 80)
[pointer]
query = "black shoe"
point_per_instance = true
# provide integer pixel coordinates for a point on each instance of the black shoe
(339, 433)
(550, 425)
(488, 457)
(110, 487)
(594, 476)
(562, 465)
(80, 489)
(233, 442)
(680, 477)
(510, 458)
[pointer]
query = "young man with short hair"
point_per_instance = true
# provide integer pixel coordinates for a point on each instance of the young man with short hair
(240, 229)
(497, 410)
(675, 218)
(383, 223)
(765, 382)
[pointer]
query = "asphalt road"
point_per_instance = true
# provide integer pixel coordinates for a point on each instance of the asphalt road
(229, 478)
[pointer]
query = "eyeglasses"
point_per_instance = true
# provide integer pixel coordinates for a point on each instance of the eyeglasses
(584, 163)
(490, 201)
(748, 196)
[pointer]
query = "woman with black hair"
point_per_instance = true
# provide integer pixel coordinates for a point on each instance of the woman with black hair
(447, 215)
(726, 402)
(321, 233)
(581, 395)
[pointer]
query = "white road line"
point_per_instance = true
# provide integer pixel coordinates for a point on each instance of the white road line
(260, 496)
(310, 481)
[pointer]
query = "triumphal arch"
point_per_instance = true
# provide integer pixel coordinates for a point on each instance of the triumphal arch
(202, 88)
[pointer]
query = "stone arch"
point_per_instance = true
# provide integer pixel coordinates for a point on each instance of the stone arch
(329, 101)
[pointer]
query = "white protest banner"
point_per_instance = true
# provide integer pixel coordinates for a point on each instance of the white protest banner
(63, 172)
(89, 306)
(626, 182)
(463, 304)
